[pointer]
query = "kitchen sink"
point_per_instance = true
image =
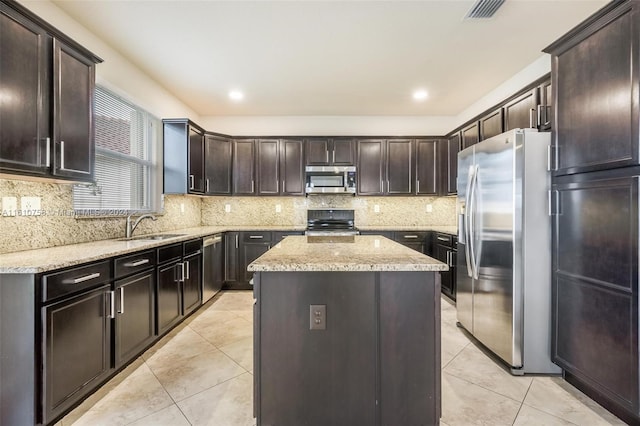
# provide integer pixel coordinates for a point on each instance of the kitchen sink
(157, 237)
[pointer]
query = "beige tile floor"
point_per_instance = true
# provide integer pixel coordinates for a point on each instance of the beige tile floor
(201, 374)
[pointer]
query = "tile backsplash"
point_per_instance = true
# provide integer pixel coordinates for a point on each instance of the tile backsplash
(391, 211)
(58, 226)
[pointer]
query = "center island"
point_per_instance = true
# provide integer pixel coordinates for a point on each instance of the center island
(346, 332)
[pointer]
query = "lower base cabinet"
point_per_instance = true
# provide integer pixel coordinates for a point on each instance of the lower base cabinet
(76, 349)
(191, 286)
(168, 293)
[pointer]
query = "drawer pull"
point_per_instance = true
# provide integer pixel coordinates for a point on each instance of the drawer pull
(82, 279)
(408, 237)
(136, 263)
(256, 237)
(443, 239)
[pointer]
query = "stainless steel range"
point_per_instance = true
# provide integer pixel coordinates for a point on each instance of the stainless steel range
(330, 223)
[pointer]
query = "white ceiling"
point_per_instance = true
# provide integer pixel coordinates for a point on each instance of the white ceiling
(328, 57)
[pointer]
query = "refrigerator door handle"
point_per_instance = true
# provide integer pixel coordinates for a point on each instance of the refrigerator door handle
(472, 223)
(467, 215)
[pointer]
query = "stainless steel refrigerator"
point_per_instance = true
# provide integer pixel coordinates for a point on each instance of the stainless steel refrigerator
(504, 248)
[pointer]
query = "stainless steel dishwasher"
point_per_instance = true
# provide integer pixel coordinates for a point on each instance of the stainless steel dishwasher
(213, 266)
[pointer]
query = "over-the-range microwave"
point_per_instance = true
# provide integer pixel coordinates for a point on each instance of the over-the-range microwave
(330, 180)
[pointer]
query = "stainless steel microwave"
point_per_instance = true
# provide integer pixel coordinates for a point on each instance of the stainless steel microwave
(330, 180)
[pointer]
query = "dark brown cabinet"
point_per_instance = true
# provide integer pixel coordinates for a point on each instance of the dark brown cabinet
(427, 167)
(470, 135)
(244, 168)
(416, 240)
(184, 153)
(254, 245)
(448, 164)
(445, 250)
(292, 167)
(279, 165)
(400, 167)
(217, 164)
(545, 106)
(231, 258)
(330, 152)
(268, 166)
(169, 276)
(491, 124)
(385, 167)
(47, 129)
(595, 189)
(192, 283)
(522, 112)
(371, 167)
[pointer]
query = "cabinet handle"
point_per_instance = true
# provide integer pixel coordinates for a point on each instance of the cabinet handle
(256, 237)
(327, 156)
(121, 310)
(61, 155)
(388, 186)
(48, 152)
(191, 182)
(82, 279)
(448, 258)
(277, 186)
(186, 268)
(252, 186)
(112, 304)
(207, 185)
(283, 187)
(443, 239)
(180, 272)
(417, 187)
(410, 237)
(333, 155)
(539, 113)
(237, 238)
(136, 263)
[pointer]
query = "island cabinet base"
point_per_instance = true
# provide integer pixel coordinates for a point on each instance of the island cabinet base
(377, 362)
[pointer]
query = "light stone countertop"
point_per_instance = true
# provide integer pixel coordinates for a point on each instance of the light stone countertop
(453, 230)
(48, 259)
(363, 253)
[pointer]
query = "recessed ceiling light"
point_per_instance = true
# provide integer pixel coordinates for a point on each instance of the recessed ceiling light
(420, 95)
(236, 95)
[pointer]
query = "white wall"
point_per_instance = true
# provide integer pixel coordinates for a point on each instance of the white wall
(116, 72)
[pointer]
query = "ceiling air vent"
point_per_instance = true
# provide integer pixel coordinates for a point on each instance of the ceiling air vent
(483, 9)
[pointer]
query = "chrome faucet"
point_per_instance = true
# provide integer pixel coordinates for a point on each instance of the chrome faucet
(131, 227)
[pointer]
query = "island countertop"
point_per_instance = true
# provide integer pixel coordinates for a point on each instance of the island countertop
(358, 253)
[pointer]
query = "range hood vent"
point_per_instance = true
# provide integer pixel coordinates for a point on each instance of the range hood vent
(483, 9)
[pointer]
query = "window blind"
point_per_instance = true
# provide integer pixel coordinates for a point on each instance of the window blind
(126, 162)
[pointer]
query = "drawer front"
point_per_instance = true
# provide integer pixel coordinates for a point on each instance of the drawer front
(70, 281)
(192, 246)
(168, 253)
(256, 236)
(277, 236)
(411, 236)
(134, 263)
(444, 239)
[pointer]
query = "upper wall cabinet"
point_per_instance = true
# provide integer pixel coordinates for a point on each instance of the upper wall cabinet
(427, 167)
(280, 167)
(491, 124)
(522, 112)
(47, 114)
(217, 164)
(448, 164)
(470, 135)
(244, 167)
(386, 167)
(330, 152)
(183, 157)
(595, 86)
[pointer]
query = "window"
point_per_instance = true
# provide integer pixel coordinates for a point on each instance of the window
(126, 168)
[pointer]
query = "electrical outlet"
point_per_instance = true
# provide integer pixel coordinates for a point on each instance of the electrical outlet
(30, 206)
(376, 208)
(317, 317)
(429, 208)
(227, 208)
(181, 207)
(9, 206)
(278, 208)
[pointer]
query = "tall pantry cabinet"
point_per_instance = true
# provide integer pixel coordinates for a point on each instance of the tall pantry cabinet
(595, 166)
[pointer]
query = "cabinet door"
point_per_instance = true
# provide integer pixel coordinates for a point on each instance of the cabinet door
(491, 124)
(243, 167)
(317, 152)
(442, 253)
(135, 316)
(371, 170)
(169, 301)
(231, 256)
(545, 112)
(250, 252)
(426, 167)
(521, 112)
(342, 152)
(470, 135)
(400, 167)
(77, 349)
(597, 99)
(218, 165)
(196, 161)
(268, 164)
(291, 167)
(595, 285)
(24, 73)
(73, 77)
(192, 285)
(448, 174)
